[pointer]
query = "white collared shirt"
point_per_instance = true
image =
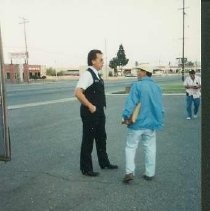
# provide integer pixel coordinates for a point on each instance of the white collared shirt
(86, 79)
(196, 93)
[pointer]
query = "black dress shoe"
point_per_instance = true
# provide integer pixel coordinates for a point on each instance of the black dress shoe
(90, 173)
(127, 178)
(109, 166)
(147, 177)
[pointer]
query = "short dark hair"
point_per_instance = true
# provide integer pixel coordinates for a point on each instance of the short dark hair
(148, 74)
(192, 71)
(92, 55)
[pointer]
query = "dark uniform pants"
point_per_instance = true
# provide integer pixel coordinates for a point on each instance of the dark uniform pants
(93, 128)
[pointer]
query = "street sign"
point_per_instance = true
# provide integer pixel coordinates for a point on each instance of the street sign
(5, 149)
(17, 55)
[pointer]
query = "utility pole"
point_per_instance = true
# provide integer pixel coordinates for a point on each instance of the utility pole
(5, 150)
(183, 42)
(24, 21)
(106, 73)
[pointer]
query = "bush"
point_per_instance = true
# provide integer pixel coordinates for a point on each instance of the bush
(110, 73)
(61, 73)
(51, 72)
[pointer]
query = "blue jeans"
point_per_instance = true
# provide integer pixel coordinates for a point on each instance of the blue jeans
(148, 140)
(189, 101)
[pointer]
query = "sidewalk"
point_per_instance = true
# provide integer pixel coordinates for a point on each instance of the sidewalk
(44, 172)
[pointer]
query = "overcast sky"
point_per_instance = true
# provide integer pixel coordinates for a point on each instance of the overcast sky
(61, 32)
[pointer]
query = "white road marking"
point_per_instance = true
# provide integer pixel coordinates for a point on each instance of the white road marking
(67, 100)
(40, 103)
(174, 94)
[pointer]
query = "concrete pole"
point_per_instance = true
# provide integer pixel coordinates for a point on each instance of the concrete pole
(183, 43)
(5, 150)
(26, 47)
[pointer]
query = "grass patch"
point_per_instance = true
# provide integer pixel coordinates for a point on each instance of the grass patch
(119, 92)
(172, 88)
(166, 88)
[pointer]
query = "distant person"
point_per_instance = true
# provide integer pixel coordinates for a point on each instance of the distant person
(149, 120)
(90, 92)
(192, 85)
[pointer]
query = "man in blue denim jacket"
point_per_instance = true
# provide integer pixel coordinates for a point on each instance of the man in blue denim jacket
(148, 121)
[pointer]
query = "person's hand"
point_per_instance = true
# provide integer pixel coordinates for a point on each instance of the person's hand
(92, 109)
(125, 122)
(191, 87)
(195, 87)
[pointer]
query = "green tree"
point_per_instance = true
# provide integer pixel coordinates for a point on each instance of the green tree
(51, 71)
(113, 64)
(121, 57)
(119, 61)
(110, 74)
(61, 73)
(190, 64)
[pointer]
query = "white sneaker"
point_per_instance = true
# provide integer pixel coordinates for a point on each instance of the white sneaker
(188, 118)
(195, 116)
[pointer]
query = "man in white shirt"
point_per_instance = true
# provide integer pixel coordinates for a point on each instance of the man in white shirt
(90, 92)
(193, 92)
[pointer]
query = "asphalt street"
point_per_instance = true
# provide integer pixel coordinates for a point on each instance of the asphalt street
(44, 91)
(44, 172)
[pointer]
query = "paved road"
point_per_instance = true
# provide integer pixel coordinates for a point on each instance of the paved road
(44, 172)
(19, 94)
(33, 93)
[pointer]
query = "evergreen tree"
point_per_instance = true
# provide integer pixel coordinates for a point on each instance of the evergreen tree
(121, 57)
(118, 61)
